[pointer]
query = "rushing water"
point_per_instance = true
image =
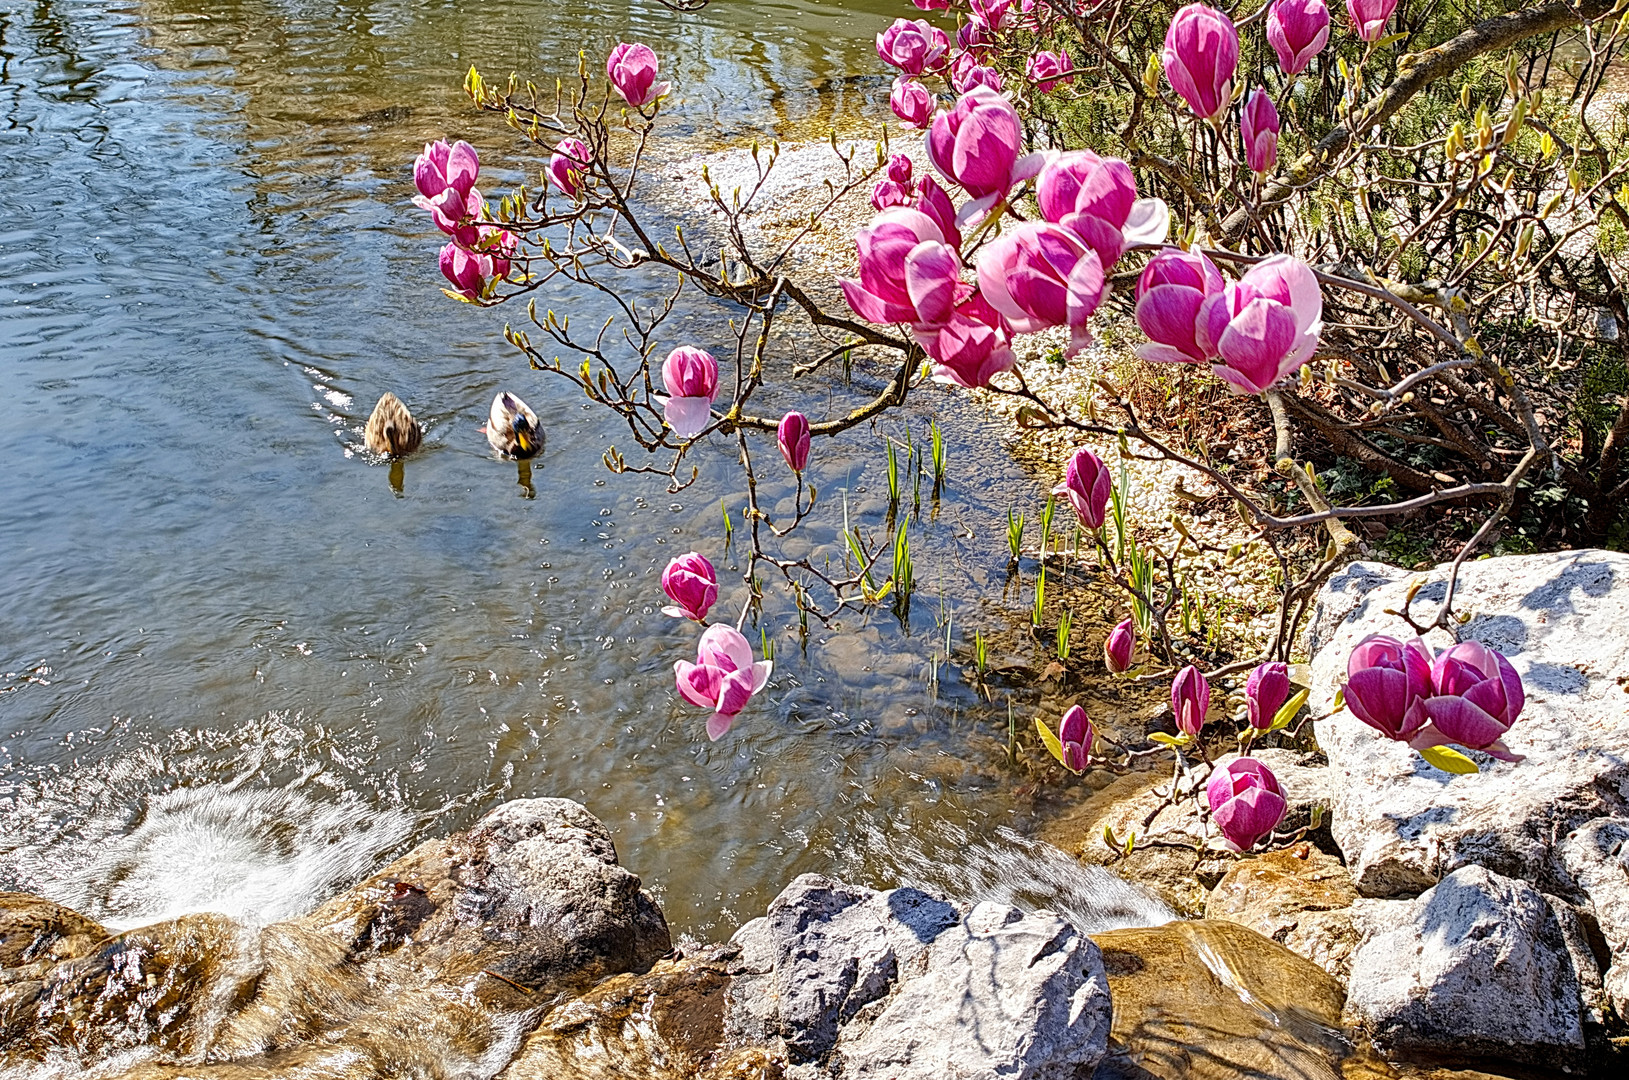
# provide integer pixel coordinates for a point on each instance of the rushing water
(236, 670)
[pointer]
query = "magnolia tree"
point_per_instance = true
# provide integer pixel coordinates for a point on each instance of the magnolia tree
(1399, 229)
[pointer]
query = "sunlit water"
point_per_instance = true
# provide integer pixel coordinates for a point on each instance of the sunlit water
(236, 671)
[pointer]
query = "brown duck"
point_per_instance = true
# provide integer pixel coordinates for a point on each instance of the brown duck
(391, 430)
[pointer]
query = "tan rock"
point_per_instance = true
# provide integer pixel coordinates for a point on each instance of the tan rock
(1300, 897)
(667, 1024)
(1214, 1000)
(1171, 857)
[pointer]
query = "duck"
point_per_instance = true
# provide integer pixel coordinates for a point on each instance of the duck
(511, 427)
(391, 430)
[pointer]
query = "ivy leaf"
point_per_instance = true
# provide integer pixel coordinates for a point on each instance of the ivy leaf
(1291, 707)
(1448, 760)
(1052, 743)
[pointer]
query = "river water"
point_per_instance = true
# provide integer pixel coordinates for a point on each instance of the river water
(237, 670)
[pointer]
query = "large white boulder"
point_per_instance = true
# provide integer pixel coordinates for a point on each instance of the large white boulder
(1562, 619)
(1475, 969)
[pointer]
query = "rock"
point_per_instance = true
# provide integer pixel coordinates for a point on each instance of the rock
(35, 934)
(1004, 994)
(1404, 825)
(667, 1024)
(1597, 857)
(164, 986)
(1180, 877)
(1299, 897)
(899, 984)
(1474, 970)
(1218, 1001)
(438, 965)
(832, 956)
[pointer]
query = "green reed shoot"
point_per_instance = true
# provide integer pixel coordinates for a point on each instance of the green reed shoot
(904, 569)
(766, 644)
(916, 472)
(1141, 569)
(893, 473)
(729, 530)
(848, 365)
(851, 536)
(1012, 735)
(1040, 597)
(1066, 622)
(981, 654)
(1015, 533)
(1046, 523)
(1122, 507)
(938, 456)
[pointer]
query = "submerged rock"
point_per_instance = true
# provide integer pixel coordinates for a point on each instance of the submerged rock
(667, 1024)
(1299, 897)
(1475, 969)
(1213, 1000)
(437, 966)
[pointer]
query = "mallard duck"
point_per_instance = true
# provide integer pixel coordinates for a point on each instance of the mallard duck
(391, 430)
(511, 427)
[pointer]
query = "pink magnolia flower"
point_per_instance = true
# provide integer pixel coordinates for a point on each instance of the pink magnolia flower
(1476, 697)
(1263, 326)
(887, 195)
(1047, 69)
(692, 584)
(966, 72)
(977, 145)
(908, 274)
(1190, 700)
(792, 436)
(473, 272)
(1387, 683)
(934, 201)
(1040, 275)
(1297, 30)
(1086, 484)
(1201, 55)
(1076, 735)
(442, 166)
(1170, 292)
(1246, 802)
(914, 47)
(1258, 125)
(632, 70)
(567, 164)
(912, 102)
(991, 13)
(1369, 17)
(975, 36)
(1096, 200)
(1265, 692)
(723, 678)
(456, 214)
(691, 378)
(900, 168)
(972, 348)
(1120, 646)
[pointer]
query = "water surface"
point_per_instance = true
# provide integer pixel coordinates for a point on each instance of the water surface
(237, 671)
